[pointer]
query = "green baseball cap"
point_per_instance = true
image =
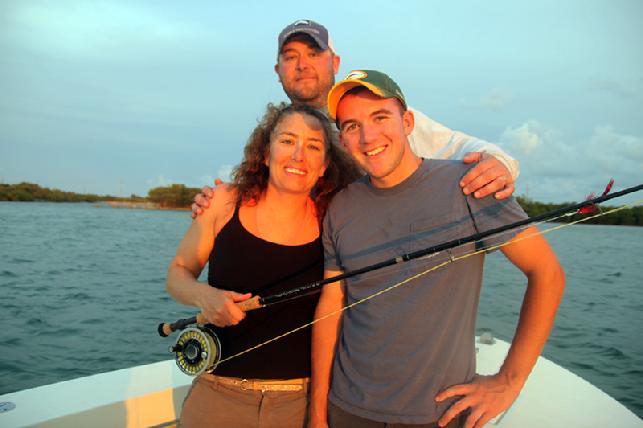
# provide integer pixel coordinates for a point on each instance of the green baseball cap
(375, 81)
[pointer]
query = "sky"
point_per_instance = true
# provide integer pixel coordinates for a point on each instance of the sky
(117, 97)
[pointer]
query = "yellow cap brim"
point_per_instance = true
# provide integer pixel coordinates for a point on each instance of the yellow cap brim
(337, 92)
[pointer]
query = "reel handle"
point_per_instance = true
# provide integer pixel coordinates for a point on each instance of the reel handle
(165, 329)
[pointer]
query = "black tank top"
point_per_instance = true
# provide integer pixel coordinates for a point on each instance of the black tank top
(242, 262)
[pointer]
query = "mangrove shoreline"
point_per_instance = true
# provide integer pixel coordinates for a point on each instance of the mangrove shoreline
(180, 197)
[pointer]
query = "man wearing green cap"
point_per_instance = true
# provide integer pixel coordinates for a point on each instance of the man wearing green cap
(306, 67)
(403, 354)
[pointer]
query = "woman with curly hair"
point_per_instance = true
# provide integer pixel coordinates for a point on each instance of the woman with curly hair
(261, 236)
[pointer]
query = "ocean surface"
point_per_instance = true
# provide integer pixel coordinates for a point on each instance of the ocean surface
(82, 290)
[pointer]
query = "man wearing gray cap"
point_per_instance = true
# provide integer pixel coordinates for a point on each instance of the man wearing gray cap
(307, 64)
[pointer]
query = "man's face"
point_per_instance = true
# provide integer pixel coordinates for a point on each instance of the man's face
(374, 131)
(306, 72)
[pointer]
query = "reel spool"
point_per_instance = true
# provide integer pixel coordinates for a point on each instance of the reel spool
(197, 350)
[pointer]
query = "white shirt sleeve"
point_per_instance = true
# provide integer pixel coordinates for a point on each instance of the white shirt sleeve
(433, 140)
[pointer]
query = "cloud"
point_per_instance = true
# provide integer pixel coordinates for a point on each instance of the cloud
(225, 172)
(160, 181)
(205, 180)
(555, 167)
(611, 86)
(606, 142)
(524, 139)
(496, 99)
(98, 30)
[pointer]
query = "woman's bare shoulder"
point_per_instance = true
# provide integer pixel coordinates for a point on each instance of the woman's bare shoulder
(221, 206)
(225, 194)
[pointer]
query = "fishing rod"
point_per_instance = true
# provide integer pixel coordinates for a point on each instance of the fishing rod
(198, 349)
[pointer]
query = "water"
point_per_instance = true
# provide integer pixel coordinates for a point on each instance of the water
(597, 333)
(82, 291)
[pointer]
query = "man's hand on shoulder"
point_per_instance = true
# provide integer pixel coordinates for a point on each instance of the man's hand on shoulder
(487, 177)
(202, 200)
(485, 397)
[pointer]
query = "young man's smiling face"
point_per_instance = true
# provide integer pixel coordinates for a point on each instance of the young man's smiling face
(374, 131)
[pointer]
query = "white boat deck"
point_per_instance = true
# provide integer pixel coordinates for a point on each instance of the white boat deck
(152, 395)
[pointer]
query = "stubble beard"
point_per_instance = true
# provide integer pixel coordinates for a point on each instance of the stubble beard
(315, 96)
(306, 96)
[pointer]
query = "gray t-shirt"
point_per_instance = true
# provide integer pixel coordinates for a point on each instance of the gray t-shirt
(397, 350)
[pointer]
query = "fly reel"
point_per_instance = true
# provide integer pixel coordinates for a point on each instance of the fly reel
(197, 350)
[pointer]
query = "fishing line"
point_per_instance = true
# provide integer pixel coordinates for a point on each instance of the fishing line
(588, 206)
(165, 329)
(197, 351)
(418, 275)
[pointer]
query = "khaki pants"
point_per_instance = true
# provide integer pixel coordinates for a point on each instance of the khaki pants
(212, 404)
(339, 418)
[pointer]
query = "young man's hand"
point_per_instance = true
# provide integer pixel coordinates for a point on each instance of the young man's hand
(202, 200)
(485, 398)
(488, 176)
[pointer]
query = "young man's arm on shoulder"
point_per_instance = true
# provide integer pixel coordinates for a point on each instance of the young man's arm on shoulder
(324, 342)
(487, 396)
(203, 199)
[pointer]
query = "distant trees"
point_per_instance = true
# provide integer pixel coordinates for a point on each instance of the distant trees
(180, 196)
(173, 196)
(33, 192)
(627, 217)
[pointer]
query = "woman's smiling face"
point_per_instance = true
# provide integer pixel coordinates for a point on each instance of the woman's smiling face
(297, 153)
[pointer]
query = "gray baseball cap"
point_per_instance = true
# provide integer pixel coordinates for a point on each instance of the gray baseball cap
(318, 32)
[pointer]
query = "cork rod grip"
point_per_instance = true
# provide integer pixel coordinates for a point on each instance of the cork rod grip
(165, 329)
(250, 304)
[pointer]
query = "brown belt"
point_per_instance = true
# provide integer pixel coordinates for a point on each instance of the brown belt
(261, 384)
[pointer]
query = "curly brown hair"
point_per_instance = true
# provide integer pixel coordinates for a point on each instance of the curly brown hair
(250, 177)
